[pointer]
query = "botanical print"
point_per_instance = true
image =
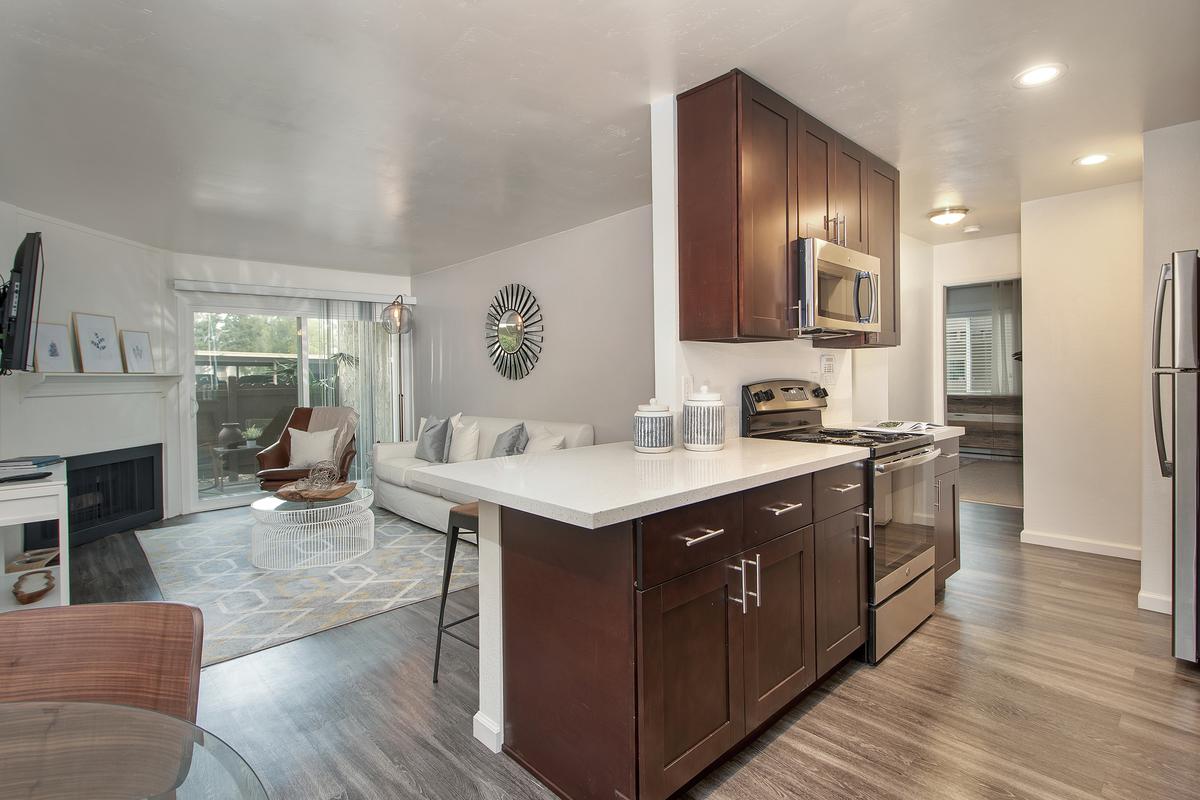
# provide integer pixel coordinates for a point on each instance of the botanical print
(52, 349)
(96, 337)
(136, 350)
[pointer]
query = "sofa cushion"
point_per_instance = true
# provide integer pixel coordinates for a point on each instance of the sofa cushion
(433, 442)
(399, 471)
(542, 439)
(309, 448)
(511, 442)
(464, 440)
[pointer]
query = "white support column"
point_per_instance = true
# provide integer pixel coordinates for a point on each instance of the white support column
(489, 721)
(664, 221)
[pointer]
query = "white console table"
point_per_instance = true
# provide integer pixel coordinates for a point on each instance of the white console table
(36, 501)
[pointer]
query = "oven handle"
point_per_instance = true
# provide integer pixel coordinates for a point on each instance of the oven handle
(923, 457)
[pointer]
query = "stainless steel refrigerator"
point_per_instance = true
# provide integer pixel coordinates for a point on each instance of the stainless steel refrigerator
(1177, 376)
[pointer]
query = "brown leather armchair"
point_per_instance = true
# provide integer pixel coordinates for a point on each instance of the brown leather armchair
(273, 461)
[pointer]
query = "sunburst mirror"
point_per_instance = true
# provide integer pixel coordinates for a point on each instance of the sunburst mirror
(513, 331)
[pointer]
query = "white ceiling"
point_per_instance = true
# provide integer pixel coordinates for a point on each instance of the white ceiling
(400, 137)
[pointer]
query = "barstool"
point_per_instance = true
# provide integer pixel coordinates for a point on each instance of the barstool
(464, 517)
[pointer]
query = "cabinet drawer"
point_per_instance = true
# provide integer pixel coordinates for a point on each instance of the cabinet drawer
(839, 489)
(948, 460)
(665, 549)
(777, 508)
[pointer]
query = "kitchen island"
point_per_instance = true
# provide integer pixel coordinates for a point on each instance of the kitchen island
(642, 615)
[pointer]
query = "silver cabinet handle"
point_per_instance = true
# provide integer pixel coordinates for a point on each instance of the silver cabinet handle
(842, 228)
(937, 495)
(757, 593)
(849, 487)
(742, 600)
(870, 537)
(831, 234)
(708, 534)
(783, 508)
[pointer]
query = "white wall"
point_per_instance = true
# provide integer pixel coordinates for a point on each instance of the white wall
(1171, 192)
(910, 366)
(1081, 257)
(991, 258)
(594, 287)
(91, 271)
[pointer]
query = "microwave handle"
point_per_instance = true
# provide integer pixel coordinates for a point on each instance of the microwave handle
(858, 279)
(873, 280)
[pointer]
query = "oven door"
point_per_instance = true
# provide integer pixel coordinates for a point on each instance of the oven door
(902, 511)
(839, 289)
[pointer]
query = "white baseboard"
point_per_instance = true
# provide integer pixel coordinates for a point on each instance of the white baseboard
(1081, 544)
(487, 731)
(1152, 601)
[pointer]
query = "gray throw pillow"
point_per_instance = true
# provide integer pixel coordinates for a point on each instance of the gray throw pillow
(433, 442)
(512, 442)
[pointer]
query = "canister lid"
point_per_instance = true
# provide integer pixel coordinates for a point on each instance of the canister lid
(704, 396)
(653, 406)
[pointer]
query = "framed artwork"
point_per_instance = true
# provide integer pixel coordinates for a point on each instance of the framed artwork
(136, 352)
(96, 338)
(52, 348)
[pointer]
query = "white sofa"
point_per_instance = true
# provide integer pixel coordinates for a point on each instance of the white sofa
(398, 486)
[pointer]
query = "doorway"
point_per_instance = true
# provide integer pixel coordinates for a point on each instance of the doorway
(982, 381)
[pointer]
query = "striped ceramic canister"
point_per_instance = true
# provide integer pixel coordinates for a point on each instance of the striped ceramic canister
(703, 421)
(653, 428)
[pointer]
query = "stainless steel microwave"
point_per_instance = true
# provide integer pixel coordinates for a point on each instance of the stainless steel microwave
(839, 290)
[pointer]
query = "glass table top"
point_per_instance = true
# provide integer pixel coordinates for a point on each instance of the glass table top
(65, 751)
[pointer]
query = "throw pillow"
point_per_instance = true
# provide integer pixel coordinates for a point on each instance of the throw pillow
(464, 440)
(433, 441)
(310, 447)
(512, 442)
(541, 440)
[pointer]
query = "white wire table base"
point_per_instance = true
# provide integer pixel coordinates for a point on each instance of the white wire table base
(297, 536)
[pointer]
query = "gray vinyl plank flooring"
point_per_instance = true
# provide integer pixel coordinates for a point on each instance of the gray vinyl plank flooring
(1037, 678)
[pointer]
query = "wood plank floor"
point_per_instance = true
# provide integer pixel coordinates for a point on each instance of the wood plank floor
(1037, 678)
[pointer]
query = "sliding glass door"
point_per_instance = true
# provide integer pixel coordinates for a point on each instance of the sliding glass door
(253, 366)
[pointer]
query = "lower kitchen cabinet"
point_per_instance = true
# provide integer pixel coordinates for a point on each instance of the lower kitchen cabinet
(690, 675)
(779, 641)
(946, 539)
(840, 544)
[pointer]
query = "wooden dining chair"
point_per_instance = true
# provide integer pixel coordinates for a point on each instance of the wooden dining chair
(135, 654)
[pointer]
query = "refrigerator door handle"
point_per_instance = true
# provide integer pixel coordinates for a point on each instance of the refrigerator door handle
(1164, 276)
(1165, 466)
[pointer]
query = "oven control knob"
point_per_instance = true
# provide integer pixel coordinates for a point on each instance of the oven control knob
(820, 391)
(769, 394)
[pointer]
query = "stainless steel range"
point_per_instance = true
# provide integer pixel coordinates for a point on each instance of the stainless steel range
(901, 498)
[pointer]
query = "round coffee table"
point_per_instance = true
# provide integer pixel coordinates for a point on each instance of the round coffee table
(294, 535)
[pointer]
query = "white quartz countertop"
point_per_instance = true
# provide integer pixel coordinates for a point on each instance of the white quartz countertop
(602, 485)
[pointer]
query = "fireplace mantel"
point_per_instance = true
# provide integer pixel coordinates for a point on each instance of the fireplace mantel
(85, 384)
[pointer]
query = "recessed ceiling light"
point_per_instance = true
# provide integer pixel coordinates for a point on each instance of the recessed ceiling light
(972, 229)
(1090, 160)
(1039, 75)
(947, 216)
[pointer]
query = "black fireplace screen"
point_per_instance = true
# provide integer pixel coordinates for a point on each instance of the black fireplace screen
(114, 491)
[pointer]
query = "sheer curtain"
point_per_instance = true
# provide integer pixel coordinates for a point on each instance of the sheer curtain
(352, 362)
(1006, 336)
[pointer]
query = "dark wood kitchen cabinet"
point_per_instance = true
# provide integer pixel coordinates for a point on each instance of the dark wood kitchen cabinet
(737, 211)
(946, 533)
(756, 173)
(841, 587)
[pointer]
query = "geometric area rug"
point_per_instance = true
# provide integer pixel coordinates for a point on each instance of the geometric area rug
(207, 564)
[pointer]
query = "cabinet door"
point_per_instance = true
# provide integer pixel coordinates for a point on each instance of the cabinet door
(841, 587)
(817, 148)
(779, 642)
(691, 706)
(851, 169)
(946, 538)
(767, 229)
(883, 242)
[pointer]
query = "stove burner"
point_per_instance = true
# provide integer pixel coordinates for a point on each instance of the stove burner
(846, 436)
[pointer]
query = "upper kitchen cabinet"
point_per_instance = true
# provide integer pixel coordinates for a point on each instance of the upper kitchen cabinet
(756, 174)
(882, 202)
(737, 156)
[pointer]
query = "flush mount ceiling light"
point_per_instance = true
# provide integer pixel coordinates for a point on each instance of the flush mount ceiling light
(1090, 160)
(948, 215)
(1039, 75)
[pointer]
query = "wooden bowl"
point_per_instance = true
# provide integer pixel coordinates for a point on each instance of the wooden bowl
(335, 492)
(33, 586)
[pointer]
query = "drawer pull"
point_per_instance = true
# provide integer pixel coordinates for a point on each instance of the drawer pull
(783, 508)
(849, 487)
(708, 534)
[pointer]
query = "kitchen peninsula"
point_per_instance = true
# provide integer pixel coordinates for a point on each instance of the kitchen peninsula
(641, 615)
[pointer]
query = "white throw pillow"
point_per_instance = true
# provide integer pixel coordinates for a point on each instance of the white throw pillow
(310, 447)
(542, 440)
(464, 440)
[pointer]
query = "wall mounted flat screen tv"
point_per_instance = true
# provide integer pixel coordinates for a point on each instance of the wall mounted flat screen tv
(19, 299)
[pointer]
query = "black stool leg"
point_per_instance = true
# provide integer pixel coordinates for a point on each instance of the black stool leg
(451, 545)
